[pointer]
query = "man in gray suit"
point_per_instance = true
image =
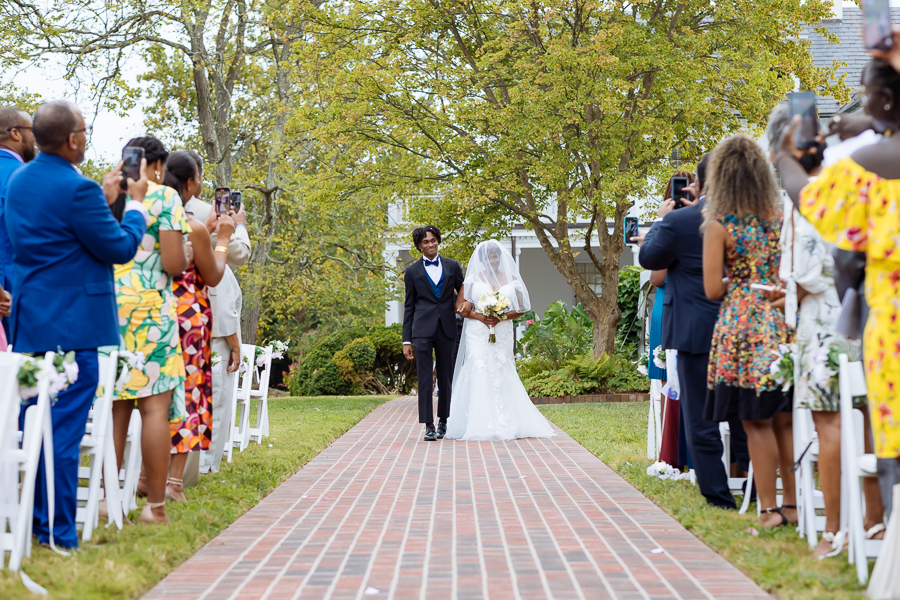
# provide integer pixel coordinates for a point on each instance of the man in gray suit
(226, 300)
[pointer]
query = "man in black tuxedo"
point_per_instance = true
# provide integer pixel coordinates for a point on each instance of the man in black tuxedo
(674, 243)
(429, 324)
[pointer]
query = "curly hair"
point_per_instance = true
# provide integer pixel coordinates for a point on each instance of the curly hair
(418, 234)
(740, 181)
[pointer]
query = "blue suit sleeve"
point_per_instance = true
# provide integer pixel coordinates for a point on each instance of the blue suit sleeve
(107, 240)
(660, 247)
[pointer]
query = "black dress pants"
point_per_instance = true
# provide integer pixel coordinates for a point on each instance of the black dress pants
(703, 437)
(444, 350)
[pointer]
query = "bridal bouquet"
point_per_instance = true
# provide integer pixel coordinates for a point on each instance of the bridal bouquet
(494, 305)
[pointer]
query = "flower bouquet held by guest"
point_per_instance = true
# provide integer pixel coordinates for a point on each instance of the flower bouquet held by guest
(149, 324)
(195, 317)
(742, 229)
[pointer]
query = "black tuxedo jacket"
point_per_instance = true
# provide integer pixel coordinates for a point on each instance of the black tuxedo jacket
(422, 307)
(675, 244)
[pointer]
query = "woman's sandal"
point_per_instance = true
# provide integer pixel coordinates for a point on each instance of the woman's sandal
(147, 513)
(791, 507)
(838, 542)
(772, 511)
(138, 491)
(174, 482)
(874, 530)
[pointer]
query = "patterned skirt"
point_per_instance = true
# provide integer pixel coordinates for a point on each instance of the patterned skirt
(195, 325)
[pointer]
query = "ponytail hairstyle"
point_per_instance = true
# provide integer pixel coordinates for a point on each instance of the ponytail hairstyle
(180, 168)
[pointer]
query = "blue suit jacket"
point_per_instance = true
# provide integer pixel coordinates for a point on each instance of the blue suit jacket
(8, 165)
(65, 241)
(675, 244)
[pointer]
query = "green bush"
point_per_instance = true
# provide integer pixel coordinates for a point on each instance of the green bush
(557, 338)
(583, 375)
(354, 361)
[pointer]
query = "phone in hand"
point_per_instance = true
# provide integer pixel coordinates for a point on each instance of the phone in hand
(877, 24)
(131, 164)
(223, 200)
(762, 288)
(804, 104)
(678, 191)
(236, 201)
(631, 230)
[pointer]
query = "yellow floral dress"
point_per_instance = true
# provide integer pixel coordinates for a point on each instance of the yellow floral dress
(858, 210)
(148, 317)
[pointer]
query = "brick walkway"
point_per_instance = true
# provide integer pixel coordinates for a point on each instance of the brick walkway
(381, 513)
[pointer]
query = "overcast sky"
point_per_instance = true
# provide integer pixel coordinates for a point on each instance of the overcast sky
(111, 131)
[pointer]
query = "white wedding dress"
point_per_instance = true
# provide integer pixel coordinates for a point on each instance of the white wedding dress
(489, 401)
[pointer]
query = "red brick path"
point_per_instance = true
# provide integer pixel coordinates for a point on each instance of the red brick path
(382, 514)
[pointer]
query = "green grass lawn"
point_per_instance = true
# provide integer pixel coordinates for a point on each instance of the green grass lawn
(127, 563)
(779, 561)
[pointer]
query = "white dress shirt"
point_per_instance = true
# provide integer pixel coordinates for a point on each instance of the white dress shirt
(434, 271)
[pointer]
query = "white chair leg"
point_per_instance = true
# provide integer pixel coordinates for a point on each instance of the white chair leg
(746, 503)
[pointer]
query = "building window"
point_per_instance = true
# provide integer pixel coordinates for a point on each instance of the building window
(675, 158)
(591, 275)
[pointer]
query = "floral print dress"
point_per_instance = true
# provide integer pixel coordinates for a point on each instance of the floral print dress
(148, 322)
(748, 330)
(858, 210)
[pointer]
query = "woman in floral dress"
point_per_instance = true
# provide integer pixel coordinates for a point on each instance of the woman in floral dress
(149, 327)
(741, 240)
(194, 432)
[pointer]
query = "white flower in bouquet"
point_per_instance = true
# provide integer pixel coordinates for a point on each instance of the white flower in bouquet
(659, 357)
(642, 369)
(822, 372)
(494, 305)
(216, 362)
(60, 374)
(782, 368)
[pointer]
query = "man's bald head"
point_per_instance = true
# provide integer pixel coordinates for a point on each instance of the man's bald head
(53, 122)
(59, 129)
(15, 132)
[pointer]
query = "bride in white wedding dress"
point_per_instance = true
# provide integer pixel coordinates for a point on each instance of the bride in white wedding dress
(489, 401)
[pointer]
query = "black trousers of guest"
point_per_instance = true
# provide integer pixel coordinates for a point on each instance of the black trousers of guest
(444, 349)
(703, 437)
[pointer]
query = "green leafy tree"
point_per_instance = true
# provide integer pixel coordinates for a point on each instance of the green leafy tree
(545, 112)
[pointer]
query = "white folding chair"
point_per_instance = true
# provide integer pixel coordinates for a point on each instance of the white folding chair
(654, 421)
(131, 465)
(240, 433)
(262, 394)
(855, 465)
(809, 499)
(98, 445)
(37, 435)
(10, 455)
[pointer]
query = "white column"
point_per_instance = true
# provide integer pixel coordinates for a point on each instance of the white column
(392, 308)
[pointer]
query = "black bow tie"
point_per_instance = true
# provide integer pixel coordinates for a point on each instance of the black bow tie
(432, 263)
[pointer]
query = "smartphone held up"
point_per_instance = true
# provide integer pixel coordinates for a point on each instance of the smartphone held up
(223, 200)
(679, 193)
(131, 164)
(804, 104)
(877, 25)
(631, 230)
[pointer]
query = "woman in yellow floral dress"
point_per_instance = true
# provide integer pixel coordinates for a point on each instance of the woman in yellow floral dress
(855, 204)
(149, 326)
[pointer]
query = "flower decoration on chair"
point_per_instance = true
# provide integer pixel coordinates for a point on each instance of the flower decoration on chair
(61, 373)
(782, 368)
(216, 362)
(128, 362)
(643, 364)
(494, 305)
(278, 350)
(659, 357)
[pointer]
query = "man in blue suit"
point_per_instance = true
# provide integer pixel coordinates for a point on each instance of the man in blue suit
(16, 148)
(674, 243)
(65, 242)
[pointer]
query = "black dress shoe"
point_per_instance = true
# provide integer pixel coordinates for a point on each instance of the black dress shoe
(441, 429)
(429, 432)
